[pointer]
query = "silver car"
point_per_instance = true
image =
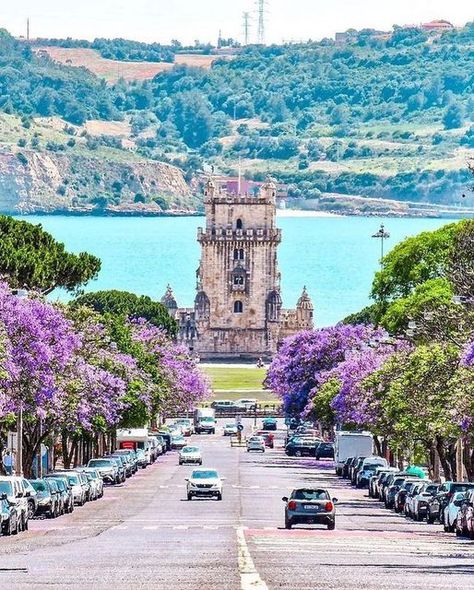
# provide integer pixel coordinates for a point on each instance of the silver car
(256, 443)
(190, 455)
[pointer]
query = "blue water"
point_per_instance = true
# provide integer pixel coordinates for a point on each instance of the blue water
(334, 257)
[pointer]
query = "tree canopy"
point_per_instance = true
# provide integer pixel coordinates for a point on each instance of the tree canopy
(31, 258)
(129, 305)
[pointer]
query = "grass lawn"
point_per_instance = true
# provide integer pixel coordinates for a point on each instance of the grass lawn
(238, 382)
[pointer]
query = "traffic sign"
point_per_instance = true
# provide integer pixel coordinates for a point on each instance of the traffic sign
(240, 427)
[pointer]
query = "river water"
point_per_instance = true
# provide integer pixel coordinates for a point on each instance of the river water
(335, 257)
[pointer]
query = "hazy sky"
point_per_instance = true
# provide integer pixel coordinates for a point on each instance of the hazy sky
(187, 20)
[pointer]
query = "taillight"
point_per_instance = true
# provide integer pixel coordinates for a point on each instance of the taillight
(329, 506)
(291, 505)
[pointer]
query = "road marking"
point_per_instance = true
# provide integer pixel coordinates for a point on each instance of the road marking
(210, 528)
(181, 527)
(150, 528)
(249, 577)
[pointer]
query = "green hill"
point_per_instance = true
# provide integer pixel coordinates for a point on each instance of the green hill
(376, 118)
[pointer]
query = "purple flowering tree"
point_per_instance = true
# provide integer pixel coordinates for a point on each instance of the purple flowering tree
(306, 359)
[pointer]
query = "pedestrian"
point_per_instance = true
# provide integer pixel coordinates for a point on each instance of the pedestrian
(8, 462)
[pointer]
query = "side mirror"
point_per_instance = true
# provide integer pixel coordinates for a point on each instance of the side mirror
(186, 479)
(27, 494)
(3, 496)
(19, 495)
(285, 499)
(335, 500)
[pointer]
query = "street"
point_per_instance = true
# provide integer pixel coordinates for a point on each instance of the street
(144, 534)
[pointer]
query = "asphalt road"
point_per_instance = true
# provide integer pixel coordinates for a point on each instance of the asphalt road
(146, 535)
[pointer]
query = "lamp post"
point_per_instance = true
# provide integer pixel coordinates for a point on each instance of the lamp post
(381, 235)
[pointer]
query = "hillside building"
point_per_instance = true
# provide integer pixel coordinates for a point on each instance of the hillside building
(238, 310)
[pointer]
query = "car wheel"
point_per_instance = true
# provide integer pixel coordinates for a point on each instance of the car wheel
(31, 509)
(331, 525)
(25, 524)
(298, 453)
(288, 524)
(446, 528)
(190, 496)
(219, 496)
(429, 518)
(7, 530)
(200, 462)
(16, 530)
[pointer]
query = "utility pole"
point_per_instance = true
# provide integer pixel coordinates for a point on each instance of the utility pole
(28, 29)
(246, 17)
(382, 235)
(261, 4)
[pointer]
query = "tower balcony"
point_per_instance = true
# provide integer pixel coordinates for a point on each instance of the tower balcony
(236, 235)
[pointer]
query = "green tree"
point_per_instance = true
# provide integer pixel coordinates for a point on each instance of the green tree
(453, 117)
(122, 303)
(32, 258)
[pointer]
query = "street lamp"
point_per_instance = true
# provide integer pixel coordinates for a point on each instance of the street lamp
(381, 235)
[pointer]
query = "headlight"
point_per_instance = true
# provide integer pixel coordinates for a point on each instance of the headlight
(43, 501)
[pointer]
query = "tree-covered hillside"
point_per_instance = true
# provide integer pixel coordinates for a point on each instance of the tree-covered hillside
(382, 118)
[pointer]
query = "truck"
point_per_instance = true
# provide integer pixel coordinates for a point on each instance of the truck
(204, 420)
(351, 444)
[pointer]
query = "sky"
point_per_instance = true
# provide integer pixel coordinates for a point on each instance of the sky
(190, 20)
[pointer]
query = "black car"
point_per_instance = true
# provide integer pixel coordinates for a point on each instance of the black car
(299, 447)
(310, 506)
(346, 467)
(325, 450)
(48, 496)
(437, 504)
(356, 468)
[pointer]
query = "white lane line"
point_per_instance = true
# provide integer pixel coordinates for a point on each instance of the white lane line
(249, 577)
(210, 528)
(150, 528)
(181, 527)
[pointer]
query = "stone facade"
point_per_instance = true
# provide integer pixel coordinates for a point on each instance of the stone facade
(238, 308)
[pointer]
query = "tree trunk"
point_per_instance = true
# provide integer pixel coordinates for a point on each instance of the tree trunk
(448, 473)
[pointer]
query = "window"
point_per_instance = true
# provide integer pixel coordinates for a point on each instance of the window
(239, 224)
(238, 307)
(239, 254)
(238, 280)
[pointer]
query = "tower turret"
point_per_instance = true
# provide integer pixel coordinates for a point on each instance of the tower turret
(304, 310)
(169, 301)
(268, 190)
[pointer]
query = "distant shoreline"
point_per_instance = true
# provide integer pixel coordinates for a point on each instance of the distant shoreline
(305, 213)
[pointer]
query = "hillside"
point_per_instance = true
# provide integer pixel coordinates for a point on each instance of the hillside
(375, 119)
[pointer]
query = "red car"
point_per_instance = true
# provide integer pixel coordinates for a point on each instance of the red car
(267, 436)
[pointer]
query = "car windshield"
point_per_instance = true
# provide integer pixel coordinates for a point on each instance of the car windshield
(230, 425)
(99, 463)
(207, 419)
(61, 485)
(370, 467)
(431, 489)
(461, 487)
(6, 488)
(73, 480)
(190, 450)
(39, 486)
(208, 474)
(310, 495)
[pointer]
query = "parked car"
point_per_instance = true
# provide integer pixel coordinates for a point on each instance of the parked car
(269, 424)
(410, 498)
(230, 429)
(392, 490)
(325, 450)
(48, 496)
(121, 476)
(352, 466)
(141, 458)
(367, 470)
(401, 495)
(299, 446)
(246, 404)
(438, 503)
(386, 483)
(451, 511)
(9, 516)
(13, 488)
(419, 504)
(310, 506)
(376, 479)
(204, 483)
(346, 467)
(224, 405)
(356, 467)
(125, 464)
(107, 469)
(93, 491)
(256, 443)
(190, 454)
(79, 490)
(132, 455)
(465, 519)
(66, 491)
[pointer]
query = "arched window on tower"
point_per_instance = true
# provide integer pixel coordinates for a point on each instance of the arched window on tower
(239, 224)
(241, 254)
(238, 307)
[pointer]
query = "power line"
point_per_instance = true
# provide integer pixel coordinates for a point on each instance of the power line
(261, 11)
(246, 17)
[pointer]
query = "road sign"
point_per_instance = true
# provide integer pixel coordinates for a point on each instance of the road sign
(240, 427)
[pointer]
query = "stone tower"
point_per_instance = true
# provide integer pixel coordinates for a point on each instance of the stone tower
(238, 301)
(238, 307)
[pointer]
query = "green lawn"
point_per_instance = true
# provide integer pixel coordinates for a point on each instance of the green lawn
(238, 382)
